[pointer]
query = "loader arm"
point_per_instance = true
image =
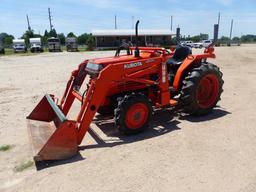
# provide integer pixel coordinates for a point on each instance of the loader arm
(76, 80)
(52, 135)
(94, 96)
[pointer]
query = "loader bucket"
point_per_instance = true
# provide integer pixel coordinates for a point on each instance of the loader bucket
(52, 136)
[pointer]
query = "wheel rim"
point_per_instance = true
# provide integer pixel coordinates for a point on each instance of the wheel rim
(136, 116)
(207, 91)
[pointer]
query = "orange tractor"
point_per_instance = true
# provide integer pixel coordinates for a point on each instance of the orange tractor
(130, 87)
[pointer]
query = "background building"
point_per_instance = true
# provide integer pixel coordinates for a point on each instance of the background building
(114, 38)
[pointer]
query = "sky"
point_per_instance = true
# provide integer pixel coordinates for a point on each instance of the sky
(80, 16)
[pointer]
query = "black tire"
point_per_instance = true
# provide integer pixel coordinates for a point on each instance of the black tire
(189, 101)
(121, 112)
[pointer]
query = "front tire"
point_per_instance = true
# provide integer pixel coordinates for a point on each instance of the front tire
(133, 114)
(201, 89)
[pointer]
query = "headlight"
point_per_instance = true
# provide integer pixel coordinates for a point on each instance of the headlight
(93, 68)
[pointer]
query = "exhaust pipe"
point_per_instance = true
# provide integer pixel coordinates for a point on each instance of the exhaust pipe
(137, 51)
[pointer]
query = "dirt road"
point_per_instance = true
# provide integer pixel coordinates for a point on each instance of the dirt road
(179, 153)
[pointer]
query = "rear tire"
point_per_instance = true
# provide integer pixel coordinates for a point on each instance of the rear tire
(201, 89)
(133, 114)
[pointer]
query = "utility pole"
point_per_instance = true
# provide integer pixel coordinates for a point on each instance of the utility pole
(178, 35)
(231, 28)
(29, 27)
(219, 19)
(171, 22)
(115, 23)
(50, 19)
(231, 31)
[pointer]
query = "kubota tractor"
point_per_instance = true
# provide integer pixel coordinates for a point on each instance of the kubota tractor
(130, 87)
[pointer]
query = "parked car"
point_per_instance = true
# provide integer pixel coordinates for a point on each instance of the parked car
(71, 44)
(19, 46)
(203, 44)
(54, 44)
(35, 45)
(188, 43)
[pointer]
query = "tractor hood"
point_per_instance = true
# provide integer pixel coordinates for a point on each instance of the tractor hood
(113, 60)
(94, 66)
(122, 59)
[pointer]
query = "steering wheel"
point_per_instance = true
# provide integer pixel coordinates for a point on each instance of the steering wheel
(124, 46)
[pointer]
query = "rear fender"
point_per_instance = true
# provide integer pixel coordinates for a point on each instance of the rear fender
(181, 71)
(188, 62)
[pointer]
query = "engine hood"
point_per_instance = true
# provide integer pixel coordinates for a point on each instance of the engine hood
(121, 59)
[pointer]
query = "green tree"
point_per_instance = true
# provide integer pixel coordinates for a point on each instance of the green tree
(90, 42)
(224, 40)
(71, 34)
(46, 34)
(28, 34)
(82, 39)
(2, 36)
(52, 33)
(204, 36)
(196, 38)
(45, 37)
(61, 36)
(248, 38)
(236, 39)
(6, 39)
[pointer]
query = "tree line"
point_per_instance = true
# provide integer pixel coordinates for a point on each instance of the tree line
(83, 39)
(87, 38)
(222, 40)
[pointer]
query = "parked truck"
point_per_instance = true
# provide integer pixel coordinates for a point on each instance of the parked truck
(19, 46)
(35, 45)
(54, 44)
(203, 44)
(71, 44)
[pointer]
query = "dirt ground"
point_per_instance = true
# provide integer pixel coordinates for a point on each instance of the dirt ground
(179, 153)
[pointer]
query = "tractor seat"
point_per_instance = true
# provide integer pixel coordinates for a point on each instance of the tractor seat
(179, 55)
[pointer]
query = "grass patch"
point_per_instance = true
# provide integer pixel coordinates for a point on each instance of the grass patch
(25, 165)
(6, 147)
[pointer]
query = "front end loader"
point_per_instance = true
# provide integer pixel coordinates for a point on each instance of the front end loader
(129, 87)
